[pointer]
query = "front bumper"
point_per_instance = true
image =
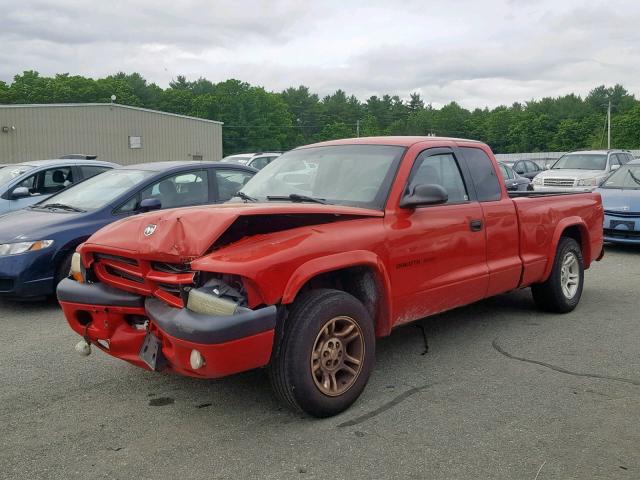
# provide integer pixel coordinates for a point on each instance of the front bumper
(621, 229)
(28, 274)
(117, 322)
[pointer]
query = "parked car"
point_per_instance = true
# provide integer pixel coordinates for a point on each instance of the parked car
(621, 200)
(583, 170)
(36, 244)
(24, 184)
(255, 160)
(512, 180)
(302, 277)
(525, 168)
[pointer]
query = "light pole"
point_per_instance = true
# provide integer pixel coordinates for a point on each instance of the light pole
(609, 126)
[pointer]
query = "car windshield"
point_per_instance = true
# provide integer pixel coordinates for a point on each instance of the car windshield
(581, 161)
(354, 175)
(10, 172)
(98, 191)
(627, 177)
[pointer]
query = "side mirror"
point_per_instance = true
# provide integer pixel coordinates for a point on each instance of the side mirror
(614, 167)
(20, 192)
(149, 204)
(424, 194)
(512, 187)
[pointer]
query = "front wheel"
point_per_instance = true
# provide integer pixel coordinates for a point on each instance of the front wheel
(561, 292)
(327, 353)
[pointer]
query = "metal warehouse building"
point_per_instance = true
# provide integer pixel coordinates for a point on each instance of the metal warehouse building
(114, 132)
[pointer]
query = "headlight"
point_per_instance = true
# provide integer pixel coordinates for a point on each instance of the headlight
(21, 247)
(538, 181)
(77, 270)
(215, 298)
(588, 182)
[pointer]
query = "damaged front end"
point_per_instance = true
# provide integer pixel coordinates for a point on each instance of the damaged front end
(200, 328)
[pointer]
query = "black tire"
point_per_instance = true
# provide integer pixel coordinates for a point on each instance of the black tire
(290, 370)
(550, 295)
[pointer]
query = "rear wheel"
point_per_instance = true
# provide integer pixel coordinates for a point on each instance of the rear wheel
(561, 292)
(327, 353)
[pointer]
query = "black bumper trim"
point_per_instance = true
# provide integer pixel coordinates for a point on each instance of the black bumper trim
(96, 294)
(197, 328)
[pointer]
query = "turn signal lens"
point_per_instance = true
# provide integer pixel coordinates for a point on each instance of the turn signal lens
(76, 268)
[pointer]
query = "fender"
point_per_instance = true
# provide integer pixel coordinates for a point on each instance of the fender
(585, 243)
(329, 263)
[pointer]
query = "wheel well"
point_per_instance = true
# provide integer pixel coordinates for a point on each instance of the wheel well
(575, 233)
(359, 281)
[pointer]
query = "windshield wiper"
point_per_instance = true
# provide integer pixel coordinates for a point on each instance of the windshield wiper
(635, 179)
(294, 197)
(245, 197)
(62, 206)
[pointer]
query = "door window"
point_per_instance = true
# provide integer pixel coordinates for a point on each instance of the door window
(180, 190)
(532, 166)
(440, 170)
(230, 181)
(484, 175)
(48, 181)
(520, 168)
(613, 160)
(505, 172)
(260, 162)
(56, 179)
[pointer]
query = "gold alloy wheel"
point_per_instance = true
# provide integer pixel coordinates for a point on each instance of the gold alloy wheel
(337, 356)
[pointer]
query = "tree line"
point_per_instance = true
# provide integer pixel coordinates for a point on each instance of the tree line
(256, 119)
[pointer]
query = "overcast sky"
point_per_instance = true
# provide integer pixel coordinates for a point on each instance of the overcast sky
(474, 52)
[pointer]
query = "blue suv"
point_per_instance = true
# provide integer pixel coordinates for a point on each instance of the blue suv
(37, 243)
(24, 184)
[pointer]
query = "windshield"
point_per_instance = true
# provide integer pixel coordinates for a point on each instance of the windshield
(627, 177)
(98, 191)
(237, 158)
(581, 161)
(10, 172)
(354, 175)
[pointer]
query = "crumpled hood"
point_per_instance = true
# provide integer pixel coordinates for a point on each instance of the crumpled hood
(577, 174)
(187, 233)
(618, 200)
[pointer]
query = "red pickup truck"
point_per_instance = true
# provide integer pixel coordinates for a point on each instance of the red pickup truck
(325, 249)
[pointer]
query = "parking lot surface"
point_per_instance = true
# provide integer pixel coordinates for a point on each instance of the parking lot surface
(505, 391)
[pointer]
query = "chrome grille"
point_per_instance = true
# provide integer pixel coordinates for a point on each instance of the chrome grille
(558, 182)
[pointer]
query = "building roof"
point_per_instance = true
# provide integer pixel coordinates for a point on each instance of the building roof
(49, 105)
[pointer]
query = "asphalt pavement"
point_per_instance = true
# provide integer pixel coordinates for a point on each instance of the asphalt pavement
(504, 392)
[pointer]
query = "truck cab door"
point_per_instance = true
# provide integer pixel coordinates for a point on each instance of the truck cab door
(437, 252)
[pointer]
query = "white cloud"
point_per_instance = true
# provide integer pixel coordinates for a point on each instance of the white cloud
(475, 52)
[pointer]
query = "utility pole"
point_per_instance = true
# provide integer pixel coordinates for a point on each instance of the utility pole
(609, 126)
(358, 128)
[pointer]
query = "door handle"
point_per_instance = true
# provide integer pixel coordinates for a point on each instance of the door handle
(475, 225)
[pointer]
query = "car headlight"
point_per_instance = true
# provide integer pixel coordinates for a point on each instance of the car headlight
(215, 298)
(77, 271)
(588, 182)
(22, 247)
(538, 181)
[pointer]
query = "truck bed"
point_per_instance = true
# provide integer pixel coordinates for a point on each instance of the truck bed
(543, 216)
